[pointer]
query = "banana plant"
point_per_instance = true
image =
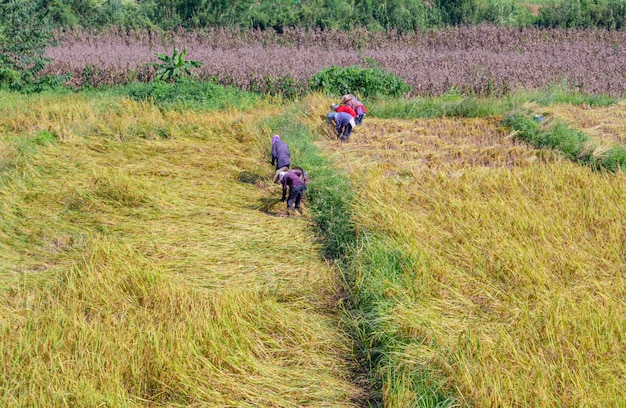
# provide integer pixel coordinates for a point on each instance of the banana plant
(175, 66)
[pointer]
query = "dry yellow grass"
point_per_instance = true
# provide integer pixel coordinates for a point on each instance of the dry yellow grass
(606, 124)
(517, 290)
(138, 270)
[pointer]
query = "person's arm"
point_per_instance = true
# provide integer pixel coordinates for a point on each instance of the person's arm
(274, 153)
(284, 183)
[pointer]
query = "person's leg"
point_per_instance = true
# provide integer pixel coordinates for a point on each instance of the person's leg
(299, 192)
(292, 198)
(346, 133)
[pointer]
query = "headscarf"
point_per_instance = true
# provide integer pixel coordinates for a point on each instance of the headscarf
(346, 98)
(275, 138)
(281, 175)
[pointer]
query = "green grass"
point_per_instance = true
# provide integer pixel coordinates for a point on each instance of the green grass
(454, 105)
(191, 95)
(572, 143)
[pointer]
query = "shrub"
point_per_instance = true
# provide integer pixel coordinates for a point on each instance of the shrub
(609, 14)
(25, 32)
(563, 138)
(356, 80)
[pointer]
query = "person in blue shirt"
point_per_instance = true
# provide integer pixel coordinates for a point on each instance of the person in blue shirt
(280, 155)
(344, 123)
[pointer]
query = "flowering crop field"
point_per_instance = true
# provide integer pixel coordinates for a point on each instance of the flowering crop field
(481, 60)
(495, 267)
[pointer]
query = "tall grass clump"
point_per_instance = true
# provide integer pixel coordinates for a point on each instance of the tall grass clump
(614, 159)
(450, 105)
(572, 143)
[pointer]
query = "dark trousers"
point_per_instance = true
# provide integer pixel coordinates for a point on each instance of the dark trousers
(295, 196)
(345, 132)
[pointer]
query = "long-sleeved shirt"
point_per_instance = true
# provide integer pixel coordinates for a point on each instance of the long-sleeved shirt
(346, 109)
(342, 120)
(280, 154)
(291, 179)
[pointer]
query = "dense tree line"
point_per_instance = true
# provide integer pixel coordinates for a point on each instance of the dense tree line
(377, 15)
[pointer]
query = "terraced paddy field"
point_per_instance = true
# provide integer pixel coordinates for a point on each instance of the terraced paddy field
(491, 273)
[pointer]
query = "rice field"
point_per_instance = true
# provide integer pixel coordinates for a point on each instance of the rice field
(606, 124)
(494, 268)
(145, 262)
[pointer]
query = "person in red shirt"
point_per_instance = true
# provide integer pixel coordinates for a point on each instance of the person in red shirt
(343, 108)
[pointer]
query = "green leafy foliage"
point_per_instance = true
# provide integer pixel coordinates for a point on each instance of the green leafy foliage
(359, 81)
(175, 66)
(25, 32)
(609, 14)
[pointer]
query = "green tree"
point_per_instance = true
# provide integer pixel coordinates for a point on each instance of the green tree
(25, 32)
(455, 12)
(175, 66)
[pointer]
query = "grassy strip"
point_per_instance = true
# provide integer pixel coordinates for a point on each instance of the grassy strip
(191, 95)
(572, 143)
(329, 191)
(453, 105)
(365, 262)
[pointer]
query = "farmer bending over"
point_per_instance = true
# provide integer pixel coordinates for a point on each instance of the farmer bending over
(352, 101)
(280, 156)
(343, 108)
(296, 189)
(344, 123)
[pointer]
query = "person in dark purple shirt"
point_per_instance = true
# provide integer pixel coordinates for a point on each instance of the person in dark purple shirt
(343, 122)
(296, 186)
(280, 156)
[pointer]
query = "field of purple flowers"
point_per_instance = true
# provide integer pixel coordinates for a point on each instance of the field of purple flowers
(478, 59)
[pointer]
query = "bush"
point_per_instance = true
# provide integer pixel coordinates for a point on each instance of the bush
(615, 159)
(609, 14)
(506, 13)
(25, 32)
(359, 81)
